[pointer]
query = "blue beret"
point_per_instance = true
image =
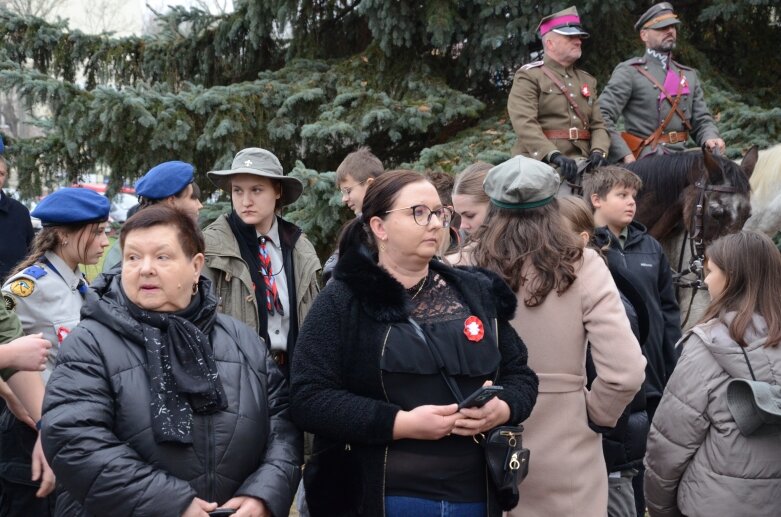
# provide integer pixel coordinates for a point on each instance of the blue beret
(165, 180)
(72, 205)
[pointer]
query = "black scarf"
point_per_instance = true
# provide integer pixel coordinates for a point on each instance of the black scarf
(182, 373)
(247, 238)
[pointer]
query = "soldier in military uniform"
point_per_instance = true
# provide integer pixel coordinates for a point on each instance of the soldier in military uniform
(660, 99)
(553, 105)
(46, 292)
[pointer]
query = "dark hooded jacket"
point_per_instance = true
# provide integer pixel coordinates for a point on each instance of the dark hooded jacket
(337, 390)
(643, 262)
(97, 433)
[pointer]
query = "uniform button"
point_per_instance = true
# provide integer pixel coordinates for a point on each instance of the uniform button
(535, 153)
(276, 331)
(569, 84)
(571, 94)
(645, 67)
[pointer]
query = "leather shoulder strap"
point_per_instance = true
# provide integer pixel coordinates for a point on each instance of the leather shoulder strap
(567, 94)
(673, 100)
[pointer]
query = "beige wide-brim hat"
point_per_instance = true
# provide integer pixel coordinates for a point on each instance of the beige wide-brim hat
(259, 162)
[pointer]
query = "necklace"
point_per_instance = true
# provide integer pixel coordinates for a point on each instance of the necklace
(417, 288)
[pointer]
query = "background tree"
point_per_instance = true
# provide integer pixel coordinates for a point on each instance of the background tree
(424, 83)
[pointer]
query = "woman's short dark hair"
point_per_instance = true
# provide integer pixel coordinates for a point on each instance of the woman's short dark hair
(190, 236)
(379, 198)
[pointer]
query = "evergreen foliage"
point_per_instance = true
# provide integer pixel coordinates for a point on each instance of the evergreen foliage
(424, 84)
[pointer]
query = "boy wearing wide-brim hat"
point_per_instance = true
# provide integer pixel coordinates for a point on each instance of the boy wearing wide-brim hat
(263, 268)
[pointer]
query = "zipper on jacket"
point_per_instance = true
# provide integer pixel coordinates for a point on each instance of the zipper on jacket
(210, 460)
(385, 459)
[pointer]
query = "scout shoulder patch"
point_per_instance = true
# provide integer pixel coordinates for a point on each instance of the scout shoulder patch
(533, 64)
(35, 271)
(10, 303)
(22, 287)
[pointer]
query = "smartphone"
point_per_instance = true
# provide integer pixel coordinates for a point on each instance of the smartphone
(222, 512)
(480, 397)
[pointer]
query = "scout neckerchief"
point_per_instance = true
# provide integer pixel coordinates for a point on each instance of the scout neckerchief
(82, 287)
(272, 294)
(569, 96)
(673, 100)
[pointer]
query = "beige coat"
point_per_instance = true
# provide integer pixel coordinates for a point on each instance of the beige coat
(698, 463)
(567, 473)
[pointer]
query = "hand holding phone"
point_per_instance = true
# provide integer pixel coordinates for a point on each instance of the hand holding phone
(222, 512)
(480, 397)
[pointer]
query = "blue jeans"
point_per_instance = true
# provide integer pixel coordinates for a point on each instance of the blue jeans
(399, 506)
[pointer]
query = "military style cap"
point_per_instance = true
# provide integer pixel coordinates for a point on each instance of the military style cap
(521, 183)
(259, 162)
(165, 180)
(566, 23)
(72, 205)
(659, 16)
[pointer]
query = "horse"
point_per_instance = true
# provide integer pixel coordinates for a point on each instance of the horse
(692, 197)
(766, 193)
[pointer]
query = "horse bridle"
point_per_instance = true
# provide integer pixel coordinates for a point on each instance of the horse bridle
(696, 242)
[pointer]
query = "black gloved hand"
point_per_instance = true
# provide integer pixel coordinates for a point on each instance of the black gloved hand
(567, 166)
(596, 159)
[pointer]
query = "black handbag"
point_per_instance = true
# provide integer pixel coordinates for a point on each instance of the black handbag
(507, 462)
(506, 459)
(332, 481)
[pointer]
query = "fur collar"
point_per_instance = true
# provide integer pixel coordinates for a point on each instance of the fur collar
(386, 300)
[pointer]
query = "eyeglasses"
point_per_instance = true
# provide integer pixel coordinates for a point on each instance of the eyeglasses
(422, 214)
(346, 190)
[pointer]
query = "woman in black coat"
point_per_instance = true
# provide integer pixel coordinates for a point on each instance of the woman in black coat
(159, 406)
(367, 374)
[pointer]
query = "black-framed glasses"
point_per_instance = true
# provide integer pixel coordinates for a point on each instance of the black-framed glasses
(346, 190)
(422, 214)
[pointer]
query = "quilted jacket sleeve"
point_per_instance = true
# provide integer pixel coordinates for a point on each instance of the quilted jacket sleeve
(276, 481)
(678, 429)
(88, 459)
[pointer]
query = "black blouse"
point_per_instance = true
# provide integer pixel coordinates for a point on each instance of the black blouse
(452, 468)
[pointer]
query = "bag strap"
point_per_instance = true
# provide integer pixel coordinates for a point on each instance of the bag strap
(673, 103)
(745, 355)
(570, 98)
(449, 381)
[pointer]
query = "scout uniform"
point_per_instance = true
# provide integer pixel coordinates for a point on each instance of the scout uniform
(645, 102)
(554, 108)
(48, 295)
(160, 182)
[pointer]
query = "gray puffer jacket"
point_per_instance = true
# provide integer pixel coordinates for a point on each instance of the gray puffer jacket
(97, 432)
(697, 462)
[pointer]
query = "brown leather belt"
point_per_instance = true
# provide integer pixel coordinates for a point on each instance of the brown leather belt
(674, 137)
(572, 133)
(279, 357)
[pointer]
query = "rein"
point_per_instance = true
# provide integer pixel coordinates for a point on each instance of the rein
(696, 244)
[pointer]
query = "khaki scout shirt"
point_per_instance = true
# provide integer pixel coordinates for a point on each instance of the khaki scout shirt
(630, 94)
(10, 329)
(536, 104)
(46, 302)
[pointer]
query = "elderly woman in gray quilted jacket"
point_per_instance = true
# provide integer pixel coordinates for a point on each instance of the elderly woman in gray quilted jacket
(160, 406)
(698, 461)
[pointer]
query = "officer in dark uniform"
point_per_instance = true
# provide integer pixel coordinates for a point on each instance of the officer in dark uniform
(553, 105)
(660, 99)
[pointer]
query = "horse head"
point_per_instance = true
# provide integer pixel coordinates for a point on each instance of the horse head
(721, 188)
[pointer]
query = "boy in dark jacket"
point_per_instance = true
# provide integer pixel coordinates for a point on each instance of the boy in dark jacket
(637, 256)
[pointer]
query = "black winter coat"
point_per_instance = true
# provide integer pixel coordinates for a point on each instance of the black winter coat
(336, 381)
(643, 262)
(97, 433)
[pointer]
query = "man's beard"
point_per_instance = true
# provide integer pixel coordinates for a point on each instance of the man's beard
(665, 46)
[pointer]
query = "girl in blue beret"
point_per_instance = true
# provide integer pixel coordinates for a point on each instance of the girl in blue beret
(46, 291)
